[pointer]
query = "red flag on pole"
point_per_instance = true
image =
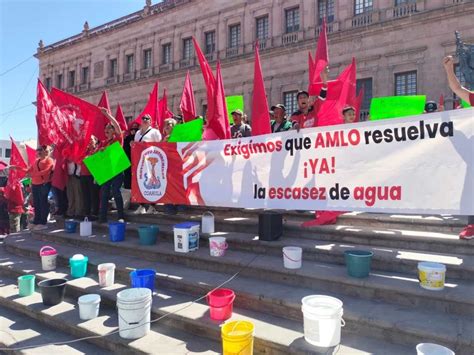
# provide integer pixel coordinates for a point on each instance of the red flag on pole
(151, 108)
(441, 100)
(121, 118)
(13, 190)
(30, 153)
(209, 79)
(54, 126)
(321, 59)
(331, 110)
(187, 104)
(99, 124)
(217, 126)
(260, 115)
(83, 116)
(164, 111)
(358, 104)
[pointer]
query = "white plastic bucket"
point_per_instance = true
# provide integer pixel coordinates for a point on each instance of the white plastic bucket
(85, 228)
(207, 222)
(217, 246)
(106, 274)
(48, 258)
(431, 275)
(322, 320)
(292, 257)
(432, 349)
(186, 237)
(89, 306)
(134, 310)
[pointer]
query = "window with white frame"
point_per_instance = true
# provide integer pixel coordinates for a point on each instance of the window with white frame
(361, 6)
(292, 19)
(147, 58)
(262, 25)
(405, 83)
(290, 101)
(234, 36)
(84, 75)
(113, 67)
(129, 64)
(166, 57)
(187, 48)
(210, 42)
(326, 9)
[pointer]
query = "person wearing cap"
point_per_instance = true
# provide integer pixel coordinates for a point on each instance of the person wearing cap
(349, 114)
(239, 129)
(113, 133)
(148, 134)
(308, 107)
(279, 123)
(431, 107)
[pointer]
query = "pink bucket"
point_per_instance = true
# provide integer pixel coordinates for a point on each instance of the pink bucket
(48, 258)
(217, 246)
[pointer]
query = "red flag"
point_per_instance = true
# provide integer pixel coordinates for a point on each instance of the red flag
(54, 126)
(151, 108)
(99, 124)
(83, 116)
(30, 153)
(3, 165)
(209, 79)
(187, 104)
(217, 126)
(121, 118)
(164, 111)
(358, 104)
(331, 110)
(13, 190)
(321, 59)
(260, 115)
(441, 100)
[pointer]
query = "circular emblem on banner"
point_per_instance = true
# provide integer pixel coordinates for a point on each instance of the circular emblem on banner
(151, 173)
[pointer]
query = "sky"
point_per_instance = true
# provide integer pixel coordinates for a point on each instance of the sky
(22, 24)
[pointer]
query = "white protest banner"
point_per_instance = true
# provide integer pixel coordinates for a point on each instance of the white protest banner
(419, 164)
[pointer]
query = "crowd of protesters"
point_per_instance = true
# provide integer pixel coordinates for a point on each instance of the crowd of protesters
(82, 197)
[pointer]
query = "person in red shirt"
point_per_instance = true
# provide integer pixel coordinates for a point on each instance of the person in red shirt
(468, 96)
(308, 107)
(113, 134)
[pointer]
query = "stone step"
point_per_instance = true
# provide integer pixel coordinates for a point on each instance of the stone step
(384, 259)
(65, 317)
(272, 334)
(396, 288)
(433, 223)
(19, 331)
(432, 241)
(373, 317)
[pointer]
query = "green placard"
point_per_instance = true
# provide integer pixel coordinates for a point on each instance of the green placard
(187, 132)
(233, 103)
(396, 106)
(465, 104)
(108, 163)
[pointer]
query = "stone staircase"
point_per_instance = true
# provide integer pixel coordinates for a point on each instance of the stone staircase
(387, 313)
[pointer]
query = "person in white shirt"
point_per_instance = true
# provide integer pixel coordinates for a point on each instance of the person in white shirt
(148, 134)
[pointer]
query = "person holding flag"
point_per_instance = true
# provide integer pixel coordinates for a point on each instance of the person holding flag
(113, 133)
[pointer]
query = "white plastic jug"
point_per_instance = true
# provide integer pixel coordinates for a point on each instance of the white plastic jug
(85, 228)
(89, 306)
(432, 349)
(322, 320)
(207, 222)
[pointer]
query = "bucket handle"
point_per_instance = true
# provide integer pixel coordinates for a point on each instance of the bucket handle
(208, 213)
(296, 261)
(343, 322)
(46, 247)
(86, 219)
(215, 245)
(132, 323)
(232, 300)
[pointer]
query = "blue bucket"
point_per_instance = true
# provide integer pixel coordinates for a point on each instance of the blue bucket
(143, 278)
(117, 231)
(148, 234)
(70, 226)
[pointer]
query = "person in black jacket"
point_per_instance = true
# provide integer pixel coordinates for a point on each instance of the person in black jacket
(127, 175)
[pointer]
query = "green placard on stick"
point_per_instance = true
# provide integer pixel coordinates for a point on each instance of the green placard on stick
(233, 103)
(187, 132)
(396, 106)
(108, 163)
(465, 104)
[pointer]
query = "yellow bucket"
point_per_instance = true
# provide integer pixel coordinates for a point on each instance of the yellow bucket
(237, 338)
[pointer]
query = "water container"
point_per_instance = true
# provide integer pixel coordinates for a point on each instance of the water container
(217, 246)
(358, 262)
(207, 222)
(270, 225)
(26, 285)
(237, 338)
(134, 310)
(48, 258)
(52, 291)
(89, 306)
(292, 257)
(431, 275)
(78, 265)
(117, 231)
(186, 237)
(106, 274)
(148, 234)
(70, 226)
(322, 317)
(85, 228)
(221, 303)
(144, 278)
(432, 349)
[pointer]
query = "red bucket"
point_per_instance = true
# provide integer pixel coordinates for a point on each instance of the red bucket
(220, 303)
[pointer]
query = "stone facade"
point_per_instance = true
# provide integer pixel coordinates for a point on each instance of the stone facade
(398, 44)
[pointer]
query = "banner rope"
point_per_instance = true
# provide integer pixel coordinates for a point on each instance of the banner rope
(138, 326)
